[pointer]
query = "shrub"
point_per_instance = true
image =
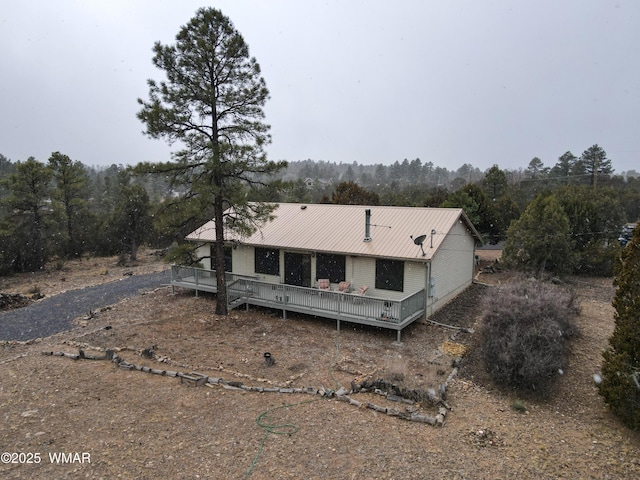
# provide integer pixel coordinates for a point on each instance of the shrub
(518, 406)
(526, 325)
(598, 259)
(620, 385)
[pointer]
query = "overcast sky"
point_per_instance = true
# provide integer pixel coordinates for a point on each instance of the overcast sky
(447, 81)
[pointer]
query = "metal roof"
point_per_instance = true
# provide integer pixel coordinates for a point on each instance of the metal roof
(341, 229)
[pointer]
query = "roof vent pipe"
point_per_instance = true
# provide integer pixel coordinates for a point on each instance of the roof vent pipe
(367, 225)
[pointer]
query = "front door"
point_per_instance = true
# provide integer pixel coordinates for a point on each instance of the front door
(297, 269)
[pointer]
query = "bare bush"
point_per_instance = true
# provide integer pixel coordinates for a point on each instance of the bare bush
(526, 325)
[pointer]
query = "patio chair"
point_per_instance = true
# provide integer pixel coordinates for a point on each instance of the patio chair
(344, 287)
(361, 291)
(324, 284)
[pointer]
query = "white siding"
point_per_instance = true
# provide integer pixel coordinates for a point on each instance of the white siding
(204, 251)
(415, 275)
(363, 272)
(452, 266)
(242, 260)
(244, 264)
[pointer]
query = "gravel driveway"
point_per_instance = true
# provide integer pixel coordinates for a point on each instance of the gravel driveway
(54, 314)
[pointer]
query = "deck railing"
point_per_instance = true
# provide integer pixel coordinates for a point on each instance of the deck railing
(388, 313)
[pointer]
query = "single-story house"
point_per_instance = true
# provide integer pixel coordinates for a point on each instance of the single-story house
(384, 266)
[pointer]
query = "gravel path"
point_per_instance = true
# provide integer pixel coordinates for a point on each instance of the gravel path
(54, 314)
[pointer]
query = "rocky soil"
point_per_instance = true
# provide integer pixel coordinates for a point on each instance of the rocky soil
(131, 424)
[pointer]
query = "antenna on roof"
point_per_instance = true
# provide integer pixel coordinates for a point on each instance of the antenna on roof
(419, 241)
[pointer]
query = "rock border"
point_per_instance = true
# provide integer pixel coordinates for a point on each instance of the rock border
(380, 387)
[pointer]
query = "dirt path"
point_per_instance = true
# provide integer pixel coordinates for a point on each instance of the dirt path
(55, 314)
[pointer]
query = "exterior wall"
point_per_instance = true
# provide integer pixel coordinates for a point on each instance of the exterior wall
(244, 264)
(363, 272)
(415, 277)
(204, 251)
(242, 259)
(358, 270)
(452, 267)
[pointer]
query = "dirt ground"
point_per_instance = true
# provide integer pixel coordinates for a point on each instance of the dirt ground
(132, 424)
(80, 273)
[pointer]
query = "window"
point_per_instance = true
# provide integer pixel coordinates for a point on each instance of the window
(267, 261)
(390, 275)
(228, 264)
(331, 267)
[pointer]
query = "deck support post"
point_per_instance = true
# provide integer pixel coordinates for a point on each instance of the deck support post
(284, 314)
(338, 324)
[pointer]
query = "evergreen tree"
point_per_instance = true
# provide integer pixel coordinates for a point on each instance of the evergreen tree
(564, 168)
(416, 174)
(349, 175)
(540, 239)
(28, 227)
(6, 168)
(212, 102)
(461, 199)
(506, 210)
(472, 199)
(621, 366)
(380, 174)
(130, 221)
(349, 193)
(595, 162)
(71, 194)
(595, 220)
(536, 169)
(495, 183)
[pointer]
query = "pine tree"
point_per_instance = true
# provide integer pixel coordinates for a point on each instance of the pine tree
(71, 195)
(212, 103)
(621, 366)
(28, 227)
(596, 163)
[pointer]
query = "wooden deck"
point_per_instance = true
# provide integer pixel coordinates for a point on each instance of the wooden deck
(348, 307)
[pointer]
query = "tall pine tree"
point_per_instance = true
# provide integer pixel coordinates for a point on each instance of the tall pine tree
(212, 103)
(71, 196)
(595, 162)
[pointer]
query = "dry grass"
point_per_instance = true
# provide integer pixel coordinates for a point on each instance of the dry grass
(138, 425)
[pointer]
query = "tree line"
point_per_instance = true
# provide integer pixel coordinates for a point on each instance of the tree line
(63, 209)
